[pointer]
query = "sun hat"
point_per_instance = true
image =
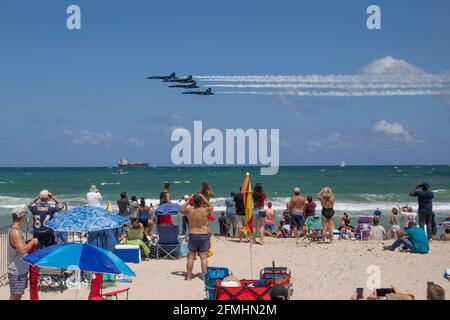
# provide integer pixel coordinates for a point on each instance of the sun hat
(93, 188)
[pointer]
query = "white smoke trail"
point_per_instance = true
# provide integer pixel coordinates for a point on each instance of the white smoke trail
(357, 79)
(373, 93)
(328, 86)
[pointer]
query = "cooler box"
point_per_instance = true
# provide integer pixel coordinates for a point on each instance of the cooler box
(128, 253)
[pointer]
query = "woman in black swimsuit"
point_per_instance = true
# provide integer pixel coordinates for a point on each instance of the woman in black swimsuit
(327, 200)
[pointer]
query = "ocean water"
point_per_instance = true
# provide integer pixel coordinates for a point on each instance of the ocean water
(359, 190)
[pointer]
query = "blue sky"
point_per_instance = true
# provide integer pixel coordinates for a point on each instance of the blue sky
(80, 98)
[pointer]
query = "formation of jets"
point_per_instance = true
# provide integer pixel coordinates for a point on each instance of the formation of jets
(185, 83)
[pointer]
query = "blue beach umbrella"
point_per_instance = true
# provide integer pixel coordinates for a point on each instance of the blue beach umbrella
(81, 256)
(167, 209)
(87, 219)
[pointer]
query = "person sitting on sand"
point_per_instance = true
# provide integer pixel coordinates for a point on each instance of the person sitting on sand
(283, 229)
(395, 225)
(198, 242)
(413, 239)
(446, 235)
(269, 223)
(327, 200)
(296, 208)
(136, 236)
(377, 232)
(345, 222)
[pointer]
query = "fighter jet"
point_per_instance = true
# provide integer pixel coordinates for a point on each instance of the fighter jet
(192, 85)
(207, 92)
(169, 77)
(188, 79)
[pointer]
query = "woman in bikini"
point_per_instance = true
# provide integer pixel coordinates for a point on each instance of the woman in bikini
(327, 200)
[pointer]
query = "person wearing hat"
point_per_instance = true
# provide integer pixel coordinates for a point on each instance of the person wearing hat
(425, 200)
(17, 248)
(43, 211)
(93, 197)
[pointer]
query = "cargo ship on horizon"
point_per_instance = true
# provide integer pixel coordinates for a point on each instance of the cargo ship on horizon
(123, 163)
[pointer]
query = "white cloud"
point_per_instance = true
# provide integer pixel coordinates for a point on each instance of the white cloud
(89, 137)
(395, 130)
(391, 66)
(86, 137)
(135, 141)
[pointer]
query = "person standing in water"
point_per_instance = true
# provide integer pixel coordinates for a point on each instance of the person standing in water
(296, 207)
(327, 200)
(198, 243)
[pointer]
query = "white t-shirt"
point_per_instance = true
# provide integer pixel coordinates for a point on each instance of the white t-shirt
(377, 233)
(408, 217)
(94, 199)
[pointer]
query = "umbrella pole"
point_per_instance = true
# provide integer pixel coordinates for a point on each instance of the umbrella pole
(251, 260)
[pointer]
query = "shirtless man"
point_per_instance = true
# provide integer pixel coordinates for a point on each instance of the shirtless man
(296, 207)
(198, 232)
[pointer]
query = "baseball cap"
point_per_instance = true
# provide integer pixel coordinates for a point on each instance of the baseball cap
(43, 194)
(186, 197)
(19, 212)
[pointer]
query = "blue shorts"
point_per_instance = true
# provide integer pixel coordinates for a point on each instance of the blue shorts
(269, 227)
(297, 220)
(198, 243)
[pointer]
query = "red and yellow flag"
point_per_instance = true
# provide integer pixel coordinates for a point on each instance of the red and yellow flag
(248, 203)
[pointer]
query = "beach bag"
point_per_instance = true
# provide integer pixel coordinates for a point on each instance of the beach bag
(210, 250)
(153, 251)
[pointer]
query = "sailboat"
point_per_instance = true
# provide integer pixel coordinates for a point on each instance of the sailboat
(343, 164)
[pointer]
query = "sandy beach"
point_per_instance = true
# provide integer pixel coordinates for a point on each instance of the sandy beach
(319, 271)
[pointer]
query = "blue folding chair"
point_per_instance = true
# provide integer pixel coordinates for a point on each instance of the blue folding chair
(169, 244)
(212, 275)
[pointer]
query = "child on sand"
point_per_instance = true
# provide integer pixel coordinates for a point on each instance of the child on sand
(395, 225)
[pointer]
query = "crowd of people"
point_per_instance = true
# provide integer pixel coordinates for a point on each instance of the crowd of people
(197, 213)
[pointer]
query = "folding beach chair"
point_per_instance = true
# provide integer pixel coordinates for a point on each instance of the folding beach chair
(277, 275)
(363, 228)
(212, 275)
(52, 280)
(315, 228)
(96, 290)
(169, 245)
